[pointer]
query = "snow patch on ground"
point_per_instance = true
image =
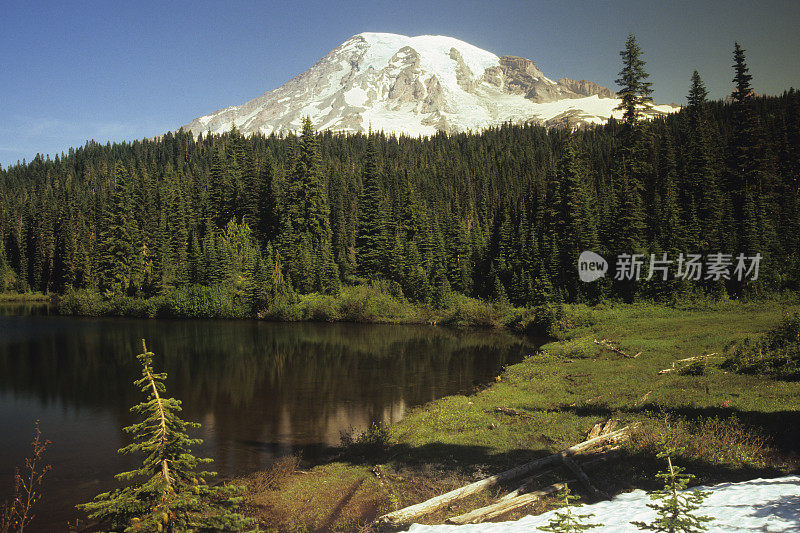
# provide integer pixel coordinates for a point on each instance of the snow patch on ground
(766, 505)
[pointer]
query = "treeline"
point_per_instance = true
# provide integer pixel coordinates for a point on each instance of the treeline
(499, 215)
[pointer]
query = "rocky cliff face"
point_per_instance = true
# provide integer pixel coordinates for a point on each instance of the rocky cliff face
(586, 88)
(416, 86)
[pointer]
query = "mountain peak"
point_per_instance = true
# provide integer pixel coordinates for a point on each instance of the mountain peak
(416, 86)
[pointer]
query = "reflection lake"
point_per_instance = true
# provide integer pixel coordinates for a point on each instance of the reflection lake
(259, 389)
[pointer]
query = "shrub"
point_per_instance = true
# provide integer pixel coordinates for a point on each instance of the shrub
(775, 354)
(82, 302)
(465, 311)
(198, 301)
(319, 307)
(696, 368)
(17, 514)
(374, 439)
(377, 301)
(713, 440)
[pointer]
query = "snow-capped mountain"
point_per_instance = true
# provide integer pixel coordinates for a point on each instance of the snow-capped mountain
(417, 86)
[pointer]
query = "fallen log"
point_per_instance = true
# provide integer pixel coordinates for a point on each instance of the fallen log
(595, 431)
(583, 478)
(496, 509)
(687, 360)
(405, 515)
(606, 344)
(609, 426)
(525, 487)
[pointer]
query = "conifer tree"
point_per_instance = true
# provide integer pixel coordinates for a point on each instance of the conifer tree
(676, 512)
(634, 90)
(370, 244)
(173, 495)
(748, 170)
(305, 236)
(565, 521)
(574, 223)
(702, 167)
(116, 238)
(748, 159)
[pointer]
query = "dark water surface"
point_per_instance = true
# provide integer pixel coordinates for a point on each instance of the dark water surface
(260, 390)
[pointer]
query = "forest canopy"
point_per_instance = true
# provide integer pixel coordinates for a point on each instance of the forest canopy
(500, 215)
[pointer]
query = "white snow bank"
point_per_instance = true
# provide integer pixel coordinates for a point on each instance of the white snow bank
(766, 505)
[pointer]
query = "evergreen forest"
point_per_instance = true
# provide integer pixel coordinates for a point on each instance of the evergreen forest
(500, 215)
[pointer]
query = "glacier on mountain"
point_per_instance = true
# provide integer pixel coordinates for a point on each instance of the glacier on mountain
(417, 86)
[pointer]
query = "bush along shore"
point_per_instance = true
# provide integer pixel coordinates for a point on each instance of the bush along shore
(607, 364)
(373, 302)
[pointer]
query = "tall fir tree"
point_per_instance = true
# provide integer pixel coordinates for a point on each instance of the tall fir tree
(635, 90)
(371, 247)
(116, 238)
(305, 235)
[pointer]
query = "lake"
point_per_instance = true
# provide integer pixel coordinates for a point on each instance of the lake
(259, 389)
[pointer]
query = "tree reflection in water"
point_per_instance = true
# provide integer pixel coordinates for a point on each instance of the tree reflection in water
(259, 389)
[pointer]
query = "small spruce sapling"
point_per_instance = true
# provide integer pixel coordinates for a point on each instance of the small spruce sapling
(566, 522)
(174, 497)
(676, 510)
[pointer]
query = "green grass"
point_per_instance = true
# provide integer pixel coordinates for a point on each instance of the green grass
(731, 426)
(24, 297)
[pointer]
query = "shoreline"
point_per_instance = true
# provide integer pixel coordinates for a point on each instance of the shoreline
(561, 391)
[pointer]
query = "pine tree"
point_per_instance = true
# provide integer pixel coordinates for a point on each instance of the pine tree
(635, 91)
(702, 167)
(748, 170)
(676, 512)
(370, 243)
(574, 223)
(116, 239)
(173, 495)
(305, 235)
(565, 521)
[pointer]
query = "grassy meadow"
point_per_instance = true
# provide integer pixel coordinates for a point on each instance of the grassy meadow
(730, 426)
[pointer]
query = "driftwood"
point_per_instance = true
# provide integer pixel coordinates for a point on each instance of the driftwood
(407, 514)
(501, 507)
(675, 368)
(606, 344)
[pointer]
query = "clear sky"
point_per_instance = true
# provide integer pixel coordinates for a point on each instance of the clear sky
(114, 70)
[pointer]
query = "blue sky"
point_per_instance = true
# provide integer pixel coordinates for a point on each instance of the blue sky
(72, 71)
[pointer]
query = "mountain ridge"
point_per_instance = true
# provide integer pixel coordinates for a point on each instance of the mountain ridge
(416, 86)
